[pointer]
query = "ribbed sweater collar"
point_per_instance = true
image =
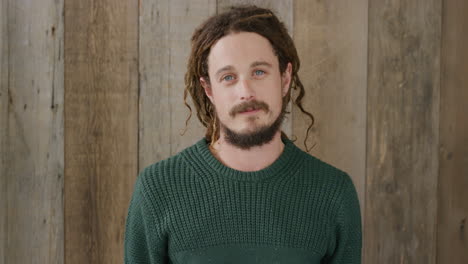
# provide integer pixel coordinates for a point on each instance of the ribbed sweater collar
(202, 160)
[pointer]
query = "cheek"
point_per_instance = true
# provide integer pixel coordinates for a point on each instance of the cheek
(274, 98)
(276, 104)
(223, 105)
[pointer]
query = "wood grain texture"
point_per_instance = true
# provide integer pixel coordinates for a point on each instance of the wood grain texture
(3, 127)
(452, 234)
(101, 125)
(165, 31)
(403, 124)
(34, 131)
(284, 10)
(331, 38)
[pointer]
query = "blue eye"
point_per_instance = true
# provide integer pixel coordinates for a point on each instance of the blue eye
(228, 78)
(259, 72)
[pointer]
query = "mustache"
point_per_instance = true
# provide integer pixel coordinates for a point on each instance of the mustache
(251, 105)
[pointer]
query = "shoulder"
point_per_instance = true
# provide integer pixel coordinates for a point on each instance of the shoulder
(164, 172)
(315, 169)
(163, 177)
(333, 183)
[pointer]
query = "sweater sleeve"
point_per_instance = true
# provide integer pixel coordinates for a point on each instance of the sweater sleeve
(143, 244)
(348, 234)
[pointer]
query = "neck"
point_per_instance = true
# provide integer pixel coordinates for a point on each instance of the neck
(253, 159)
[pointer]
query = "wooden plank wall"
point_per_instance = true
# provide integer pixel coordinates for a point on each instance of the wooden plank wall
(3, 126)
(101, 141)
(372, 71)
(165, 31)
(452, 234)
(32, 131)
(402, 131)
(331, 38)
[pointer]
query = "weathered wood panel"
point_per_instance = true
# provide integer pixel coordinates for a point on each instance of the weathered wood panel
(101, 126)
(452, 234)
(32, 140)
(284, 11)
(403, 124)
(165, 31)
(3, 127)
(331, 38)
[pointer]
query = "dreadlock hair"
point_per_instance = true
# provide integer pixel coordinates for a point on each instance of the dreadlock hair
(238, 19)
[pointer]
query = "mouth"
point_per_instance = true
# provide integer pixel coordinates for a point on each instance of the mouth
(250, 110)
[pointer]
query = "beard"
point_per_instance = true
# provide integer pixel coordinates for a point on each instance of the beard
(258, 137)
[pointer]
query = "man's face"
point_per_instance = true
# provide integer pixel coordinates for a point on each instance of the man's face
(245, 86)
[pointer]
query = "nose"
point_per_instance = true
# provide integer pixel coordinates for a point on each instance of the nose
(245, 90)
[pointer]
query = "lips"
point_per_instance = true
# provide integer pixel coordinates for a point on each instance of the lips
(249, 110)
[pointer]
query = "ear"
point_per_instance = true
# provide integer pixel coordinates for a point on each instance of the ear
(286, 79)
(207, 87)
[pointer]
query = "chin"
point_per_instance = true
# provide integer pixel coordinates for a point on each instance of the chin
(253, 137)
(251, 129)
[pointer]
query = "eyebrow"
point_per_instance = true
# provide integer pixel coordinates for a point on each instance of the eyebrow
(254, 64)
(260, 63)
(225, 68)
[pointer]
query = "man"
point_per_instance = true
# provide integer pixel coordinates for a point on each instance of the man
(245, 193)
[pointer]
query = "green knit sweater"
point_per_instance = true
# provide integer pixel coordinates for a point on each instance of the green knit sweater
(191, 208)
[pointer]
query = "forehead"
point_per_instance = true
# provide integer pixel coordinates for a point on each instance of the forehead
(240, 50)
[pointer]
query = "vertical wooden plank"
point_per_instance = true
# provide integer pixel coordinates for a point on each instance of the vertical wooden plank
(101, 126)
(284, 11)
(165, 31)
(34, 139)
(331, 38)
(154, 118)
(403, 123)
(3, 127)
(452, 234)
